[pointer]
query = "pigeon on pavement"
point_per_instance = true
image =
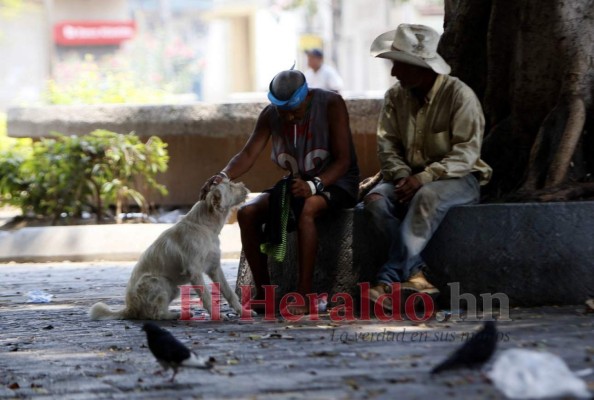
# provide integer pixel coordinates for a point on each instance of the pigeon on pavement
(170, 352)
(474, 353)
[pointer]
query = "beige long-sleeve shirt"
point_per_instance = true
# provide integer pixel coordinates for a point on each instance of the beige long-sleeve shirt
(439, 139)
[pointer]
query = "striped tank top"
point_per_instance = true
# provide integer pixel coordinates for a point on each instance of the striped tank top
(304, 148)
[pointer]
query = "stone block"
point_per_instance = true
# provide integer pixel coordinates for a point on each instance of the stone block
(536, 254)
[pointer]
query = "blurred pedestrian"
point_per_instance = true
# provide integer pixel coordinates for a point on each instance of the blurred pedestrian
(321, 75)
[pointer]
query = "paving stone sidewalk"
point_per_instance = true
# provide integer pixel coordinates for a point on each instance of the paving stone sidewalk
(53, 350)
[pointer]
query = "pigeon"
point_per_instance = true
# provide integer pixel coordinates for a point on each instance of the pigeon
(170, 352)
(474, 353)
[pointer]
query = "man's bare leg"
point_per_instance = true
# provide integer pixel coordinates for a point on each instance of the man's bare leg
(250, 217)
(308, 247)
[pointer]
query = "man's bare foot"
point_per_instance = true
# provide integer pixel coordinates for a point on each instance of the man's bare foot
(298, 310)
(260, 307)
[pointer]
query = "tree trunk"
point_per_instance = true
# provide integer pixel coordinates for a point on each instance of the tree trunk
(530, 63)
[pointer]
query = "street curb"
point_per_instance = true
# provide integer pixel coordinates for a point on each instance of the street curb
(124, 242)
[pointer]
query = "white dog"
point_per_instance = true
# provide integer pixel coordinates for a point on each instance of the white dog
(181, 254)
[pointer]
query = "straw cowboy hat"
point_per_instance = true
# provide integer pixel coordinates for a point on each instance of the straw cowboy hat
(411, 44)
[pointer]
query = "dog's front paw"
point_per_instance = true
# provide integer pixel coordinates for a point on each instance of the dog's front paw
(248, 311)
(234, 315)
(171, 315)
(230, 316)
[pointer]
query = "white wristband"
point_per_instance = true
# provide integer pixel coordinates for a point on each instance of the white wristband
(312, 187)
(224, 174)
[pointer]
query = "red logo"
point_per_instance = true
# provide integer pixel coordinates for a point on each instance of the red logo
(93, 33)
(345, 311)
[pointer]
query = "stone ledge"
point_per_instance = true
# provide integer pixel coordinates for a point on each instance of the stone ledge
(201, 137)
(225, 120)
(535, 253)
(124, 242)
(78, 243)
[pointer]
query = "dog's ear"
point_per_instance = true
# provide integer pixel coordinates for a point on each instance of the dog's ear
(214, 199)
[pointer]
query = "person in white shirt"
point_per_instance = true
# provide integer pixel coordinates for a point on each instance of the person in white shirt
(321, 75)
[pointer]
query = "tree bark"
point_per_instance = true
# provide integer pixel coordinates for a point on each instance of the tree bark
(530, 62)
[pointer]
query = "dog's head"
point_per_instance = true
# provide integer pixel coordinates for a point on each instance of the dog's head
(226, 195)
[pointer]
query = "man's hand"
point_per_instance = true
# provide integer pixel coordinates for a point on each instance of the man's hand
(300, 188)
(406, 188)
(213, 180)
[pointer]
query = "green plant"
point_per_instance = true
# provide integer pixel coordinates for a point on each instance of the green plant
(11, 183)
(7, 143)
(13, 152)
(88, 82)
(9, 8)
(65, 175)
(126, 167)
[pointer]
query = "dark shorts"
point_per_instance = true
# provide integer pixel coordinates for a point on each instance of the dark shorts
(336, 197)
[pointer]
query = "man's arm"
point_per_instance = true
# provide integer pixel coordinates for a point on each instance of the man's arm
(243, 161)
(340, 140)
(467, 128)
(390, 148)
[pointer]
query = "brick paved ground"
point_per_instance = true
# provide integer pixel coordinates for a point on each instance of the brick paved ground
(54, 351)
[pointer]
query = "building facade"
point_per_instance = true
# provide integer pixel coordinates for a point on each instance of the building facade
(203, 50)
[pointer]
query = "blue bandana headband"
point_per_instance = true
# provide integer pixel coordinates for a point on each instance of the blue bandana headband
(293, 102)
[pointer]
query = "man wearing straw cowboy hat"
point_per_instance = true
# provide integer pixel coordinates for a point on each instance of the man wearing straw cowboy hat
(429, 140)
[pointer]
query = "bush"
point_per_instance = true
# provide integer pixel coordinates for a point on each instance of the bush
(7, 143)
(87, 82)
(13, 152)
(66, 175)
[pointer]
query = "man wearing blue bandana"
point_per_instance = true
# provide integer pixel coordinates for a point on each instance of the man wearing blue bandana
(312, 141)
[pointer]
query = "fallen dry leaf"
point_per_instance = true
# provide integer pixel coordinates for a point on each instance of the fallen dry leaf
(324, 353)
(233, 361)
(401, 380)
(271, 336)
(277, 336)
(352, 383)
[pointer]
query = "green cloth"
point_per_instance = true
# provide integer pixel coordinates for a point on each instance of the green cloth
(279, 251)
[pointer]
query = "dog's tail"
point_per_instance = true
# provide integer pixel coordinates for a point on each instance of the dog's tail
(102, 311)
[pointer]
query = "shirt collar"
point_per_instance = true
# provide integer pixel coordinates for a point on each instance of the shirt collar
(436, 86)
